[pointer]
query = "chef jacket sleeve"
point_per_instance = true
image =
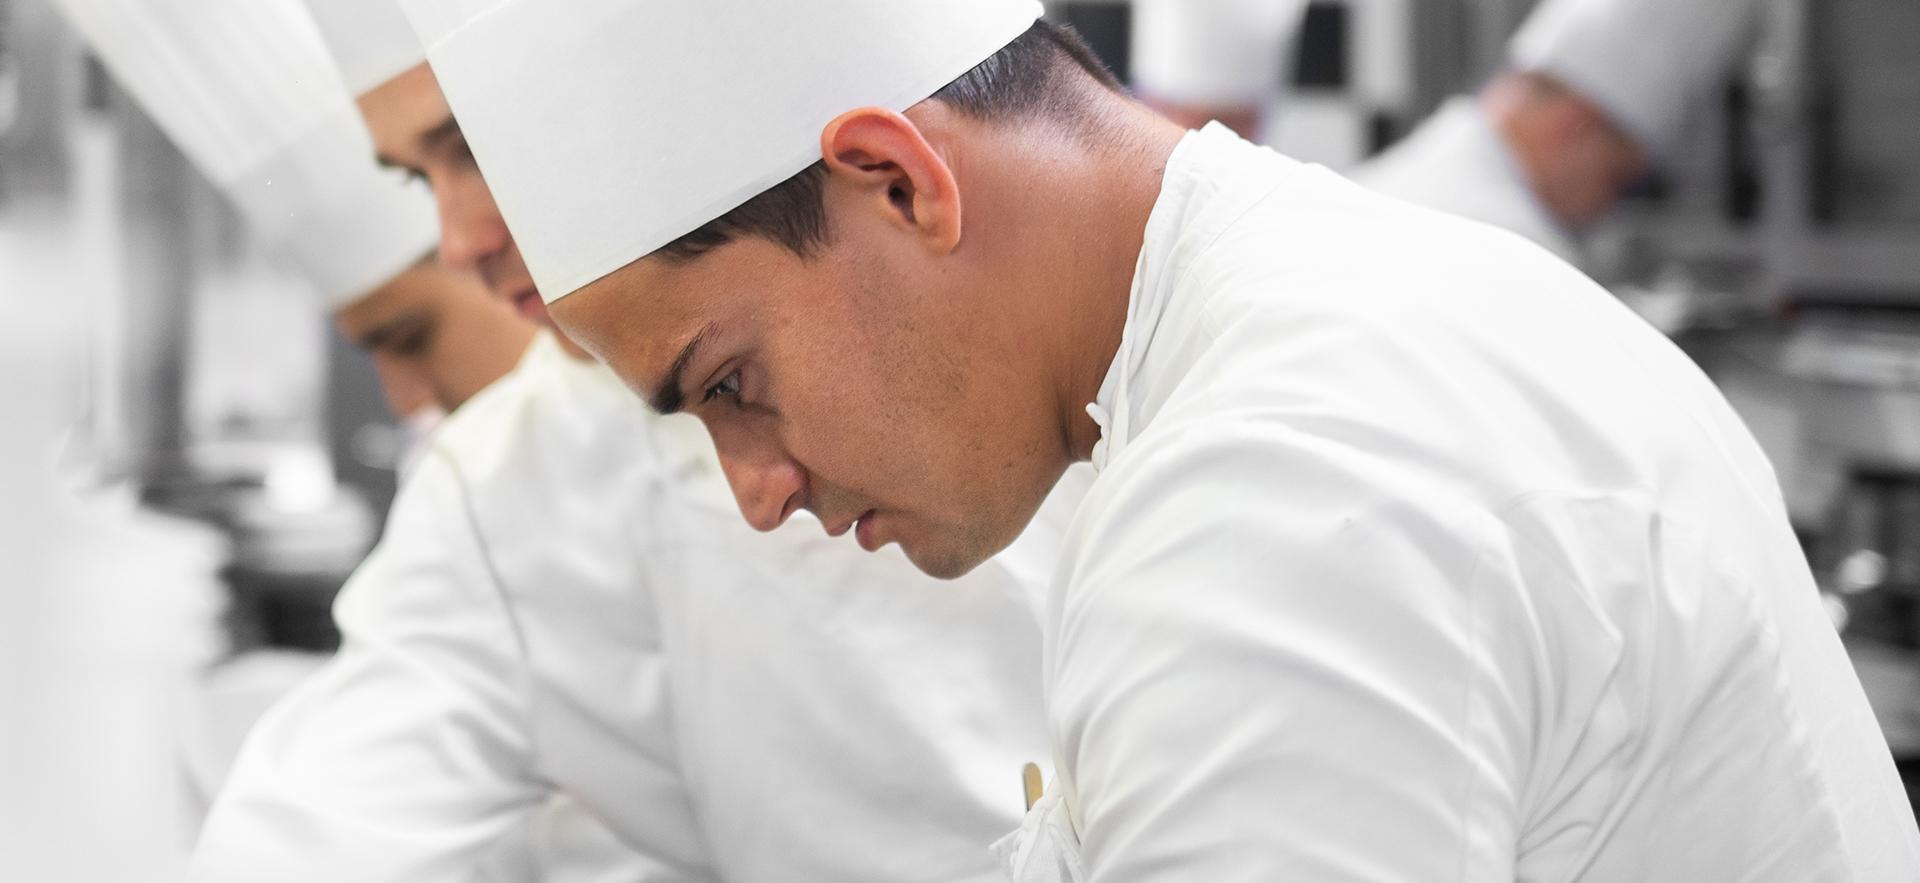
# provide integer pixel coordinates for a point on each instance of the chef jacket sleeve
(406, 757)
(1271, 663)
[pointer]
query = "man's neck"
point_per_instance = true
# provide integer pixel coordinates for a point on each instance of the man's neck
(1100, 236)
(567, 345)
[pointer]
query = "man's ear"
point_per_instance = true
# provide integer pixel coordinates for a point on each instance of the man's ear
(888, 160)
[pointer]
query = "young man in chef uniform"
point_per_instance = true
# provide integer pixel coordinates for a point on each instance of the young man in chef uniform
(1412, 553)
(565, 602)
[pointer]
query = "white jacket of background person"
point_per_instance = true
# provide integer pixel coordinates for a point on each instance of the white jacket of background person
(1415, 556)
(566, 598)
(1455, 162)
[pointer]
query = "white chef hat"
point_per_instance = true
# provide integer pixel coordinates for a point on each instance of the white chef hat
(1646, 62)
(370, 40)
(1213, 52)
(609, 128)
(246, 90)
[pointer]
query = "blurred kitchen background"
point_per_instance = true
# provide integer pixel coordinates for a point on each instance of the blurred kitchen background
(192, 461)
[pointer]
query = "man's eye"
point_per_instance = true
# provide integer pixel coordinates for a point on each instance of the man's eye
(412, 345)
(728, 388)
(411, 175)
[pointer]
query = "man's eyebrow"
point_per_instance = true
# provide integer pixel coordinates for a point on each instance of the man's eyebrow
(380, 335)
(670, 397)
(447, 129)
(427, 142)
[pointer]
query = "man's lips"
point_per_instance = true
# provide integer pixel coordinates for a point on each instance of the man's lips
(867, 532)
(840, 528)
(528, 304)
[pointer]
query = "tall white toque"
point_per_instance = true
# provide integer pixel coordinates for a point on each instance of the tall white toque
(1648, 63)
(1214, 52)
(609, 128)
(370, 40)
(249, 94)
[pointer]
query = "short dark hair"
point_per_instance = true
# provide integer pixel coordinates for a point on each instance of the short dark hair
(1042, 74)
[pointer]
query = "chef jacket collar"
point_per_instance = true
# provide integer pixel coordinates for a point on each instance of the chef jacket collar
(1194, 207)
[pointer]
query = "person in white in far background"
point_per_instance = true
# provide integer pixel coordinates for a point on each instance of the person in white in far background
(565, 606)
(1412, 553)
(1197, 61)
(1593, 94)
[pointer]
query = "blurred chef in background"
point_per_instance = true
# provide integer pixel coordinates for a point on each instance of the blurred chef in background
(288, 154)
(1201, 60)
(1594, 93)
(564, 602)
(283, 142)
(436, 339)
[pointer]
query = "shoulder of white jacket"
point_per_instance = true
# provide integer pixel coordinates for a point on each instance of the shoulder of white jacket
(1223, 500)
(545, 415)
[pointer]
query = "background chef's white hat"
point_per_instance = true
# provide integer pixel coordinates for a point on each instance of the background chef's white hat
(1646, 62)
(246, 90)
(609, 128)
(1213, 52)
(370, 40)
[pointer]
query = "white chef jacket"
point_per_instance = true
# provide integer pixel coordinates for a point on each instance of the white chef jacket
(1414, 556)
(1457, 163)
(566, 599)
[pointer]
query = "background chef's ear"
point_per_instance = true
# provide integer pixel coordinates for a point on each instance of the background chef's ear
(887, 159)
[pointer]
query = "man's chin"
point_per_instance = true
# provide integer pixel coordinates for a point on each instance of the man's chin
(945, 563)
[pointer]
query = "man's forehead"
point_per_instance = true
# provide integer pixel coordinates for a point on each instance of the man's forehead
(660, 302)
(640, 312)
(403, 110)
(624, 308)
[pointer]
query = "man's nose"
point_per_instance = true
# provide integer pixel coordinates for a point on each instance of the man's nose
(768, 485)
(471, 229)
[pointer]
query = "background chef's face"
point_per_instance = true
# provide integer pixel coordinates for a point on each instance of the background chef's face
(873, 383)
(435, 336)
(414, 130)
